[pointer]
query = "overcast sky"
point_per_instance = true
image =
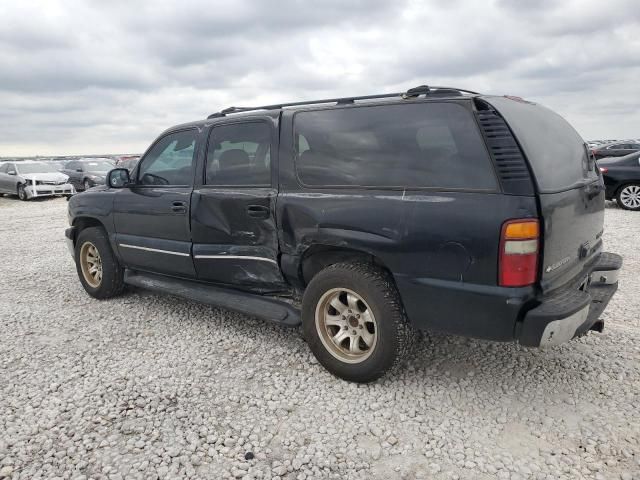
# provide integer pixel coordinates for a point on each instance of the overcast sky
(80, 77)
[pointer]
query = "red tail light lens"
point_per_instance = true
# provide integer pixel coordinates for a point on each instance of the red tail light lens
(604, 170)
(519, 247)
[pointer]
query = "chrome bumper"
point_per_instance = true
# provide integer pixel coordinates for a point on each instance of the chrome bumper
(570, 313)
(34, 191)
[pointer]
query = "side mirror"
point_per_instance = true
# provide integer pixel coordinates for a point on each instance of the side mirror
(11, 172)
(78, 170)
(118, 178)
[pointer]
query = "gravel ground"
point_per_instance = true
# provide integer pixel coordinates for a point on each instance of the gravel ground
(149, 386)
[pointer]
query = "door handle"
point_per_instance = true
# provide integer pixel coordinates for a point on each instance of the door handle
(179, 207)
(258, 211)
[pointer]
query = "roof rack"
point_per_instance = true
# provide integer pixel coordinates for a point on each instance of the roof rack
(411, 93)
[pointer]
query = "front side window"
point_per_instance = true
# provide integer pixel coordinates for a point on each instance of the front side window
(4, 168)
(170, 160)
(411, 145)
(239, 154)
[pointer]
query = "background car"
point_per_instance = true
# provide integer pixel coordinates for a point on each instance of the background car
(618, 149)
(33, 179)
(622, 180)
(128, 162)
(88, 172)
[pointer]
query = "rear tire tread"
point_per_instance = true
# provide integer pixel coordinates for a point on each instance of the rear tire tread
(381, 281)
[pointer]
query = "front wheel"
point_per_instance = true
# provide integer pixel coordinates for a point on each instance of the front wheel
(628, 197)
(86, 184)
(22, 193)
(354, 323)
(98, 269)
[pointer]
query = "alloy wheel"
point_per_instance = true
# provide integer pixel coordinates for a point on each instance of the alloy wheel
(91, 264)
(630, 196)
(346, 325)
(22, 194)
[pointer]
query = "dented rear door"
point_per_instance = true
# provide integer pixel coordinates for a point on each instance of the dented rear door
(233, 226)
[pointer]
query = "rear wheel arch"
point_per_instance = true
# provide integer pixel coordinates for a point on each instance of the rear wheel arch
(318, 257)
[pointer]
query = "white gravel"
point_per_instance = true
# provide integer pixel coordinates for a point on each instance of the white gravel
(149, 386)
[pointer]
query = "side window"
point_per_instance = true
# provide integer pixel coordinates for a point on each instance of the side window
(170, 161)
(4, 168)
(239, 154)
(412, 145)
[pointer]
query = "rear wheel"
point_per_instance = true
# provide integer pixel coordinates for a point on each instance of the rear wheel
(354, 322)
(22, 193)
(86, 184)
(99, 271)
(628, 197)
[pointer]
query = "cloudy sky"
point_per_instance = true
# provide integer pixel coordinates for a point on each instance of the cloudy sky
(99, 76)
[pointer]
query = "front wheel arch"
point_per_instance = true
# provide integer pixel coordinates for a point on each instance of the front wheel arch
(81, 223)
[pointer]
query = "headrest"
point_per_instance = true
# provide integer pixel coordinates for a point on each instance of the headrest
(234, 158)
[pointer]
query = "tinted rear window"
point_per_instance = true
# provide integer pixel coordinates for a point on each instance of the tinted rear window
(557, 153)
(408, 146)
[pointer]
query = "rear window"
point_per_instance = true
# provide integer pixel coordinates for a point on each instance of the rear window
(406, 146)
(556, 152)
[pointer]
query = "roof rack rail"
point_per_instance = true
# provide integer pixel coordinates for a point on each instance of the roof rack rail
(411, 93)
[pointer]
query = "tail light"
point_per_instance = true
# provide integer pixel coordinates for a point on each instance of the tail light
(604, 170)
(519, 247)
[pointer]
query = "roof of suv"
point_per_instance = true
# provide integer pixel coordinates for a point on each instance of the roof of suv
(275, 109)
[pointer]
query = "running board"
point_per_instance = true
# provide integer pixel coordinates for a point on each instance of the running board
(251, 304)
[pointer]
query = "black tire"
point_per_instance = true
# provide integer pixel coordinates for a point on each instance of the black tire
(624, 203)
(22, 194)
(86, 185)
(112, 281)
(377, 290)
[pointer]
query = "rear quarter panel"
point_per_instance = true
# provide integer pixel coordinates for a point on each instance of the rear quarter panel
(441, 246)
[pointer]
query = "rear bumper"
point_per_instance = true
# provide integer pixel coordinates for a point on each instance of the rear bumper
(567, 314)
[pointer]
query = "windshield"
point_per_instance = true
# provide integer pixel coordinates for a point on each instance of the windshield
(35, 168)
(99, 166)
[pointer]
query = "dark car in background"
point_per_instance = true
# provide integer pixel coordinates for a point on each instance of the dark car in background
(618, 149)
(622, 180)
(87, 172)
(129, 162)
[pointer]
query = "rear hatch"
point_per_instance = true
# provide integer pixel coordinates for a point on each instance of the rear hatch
(570, 188)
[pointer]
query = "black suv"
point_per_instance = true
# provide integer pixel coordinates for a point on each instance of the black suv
(364, 219)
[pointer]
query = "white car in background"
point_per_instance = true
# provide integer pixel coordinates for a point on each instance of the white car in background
(29, 179)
